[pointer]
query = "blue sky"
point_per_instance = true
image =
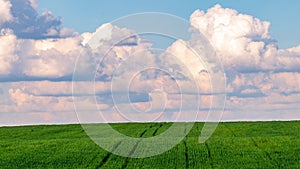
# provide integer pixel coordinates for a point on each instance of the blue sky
(88, 15)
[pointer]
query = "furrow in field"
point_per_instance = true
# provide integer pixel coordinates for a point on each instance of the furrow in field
(136, 145)
(129, 155)
(275, 163)
(154, 133)
(141, 135)
(231, 131)
(209, 155)
(186, 152)
(186, 155)
(104, 160)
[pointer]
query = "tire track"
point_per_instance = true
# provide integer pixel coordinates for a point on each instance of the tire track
(268, 155)
(130, 154)
(186, 155)
(141, 135)
(209, 155)
(136, 145)
(104, 160)
(275, 163)
(232, 132)
(186, 151)
(154, 133)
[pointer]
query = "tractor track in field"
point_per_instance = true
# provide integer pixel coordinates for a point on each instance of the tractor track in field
(209, 155)
(130, 154)
(154, 133)
(141, 135)
(104, 160)
(274, 162)
(136, 145)
(186, 152)
(232, 132)
(210, 160)
(186, 155)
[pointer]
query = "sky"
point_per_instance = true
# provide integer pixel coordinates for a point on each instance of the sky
(76, 61)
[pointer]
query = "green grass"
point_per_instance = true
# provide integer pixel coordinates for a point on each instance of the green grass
(233, 145)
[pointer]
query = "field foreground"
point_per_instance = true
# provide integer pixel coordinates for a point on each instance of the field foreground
(233, 145)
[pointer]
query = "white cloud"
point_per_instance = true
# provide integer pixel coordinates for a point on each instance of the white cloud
(286, 82)
(19, 97)
(8, 57)
(24, 102)
(242, 41)
(34, 4)
(60, 88)
(5, 13)
(55, 57)
(189, 65)
(23, 18)
(51, 58)
(257, 71)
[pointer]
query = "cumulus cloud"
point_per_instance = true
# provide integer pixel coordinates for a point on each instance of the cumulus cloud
(106, 49)
(22, 17)
(8, 56)
(48, 58)
(239, 39)
(5, 11)
(19, 97)
(33, 45)
(256, 69)
(243, 42)
(54, 58)
(193, 65)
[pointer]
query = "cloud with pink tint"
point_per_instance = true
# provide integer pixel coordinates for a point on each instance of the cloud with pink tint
(50, 59)
(37, 58)
(8, 56)
(5, 11)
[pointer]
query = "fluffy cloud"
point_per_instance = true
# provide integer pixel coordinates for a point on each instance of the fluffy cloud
(239, 39)
(22, 17)
(48, 58)
(243, 42)
(188, 59)
(8, 57)
(33, 45)
(19, 97)
(55, 58)
(5, 11)
(256, 69)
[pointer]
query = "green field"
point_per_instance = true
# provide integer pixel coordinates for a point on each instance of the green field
(233, 145)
